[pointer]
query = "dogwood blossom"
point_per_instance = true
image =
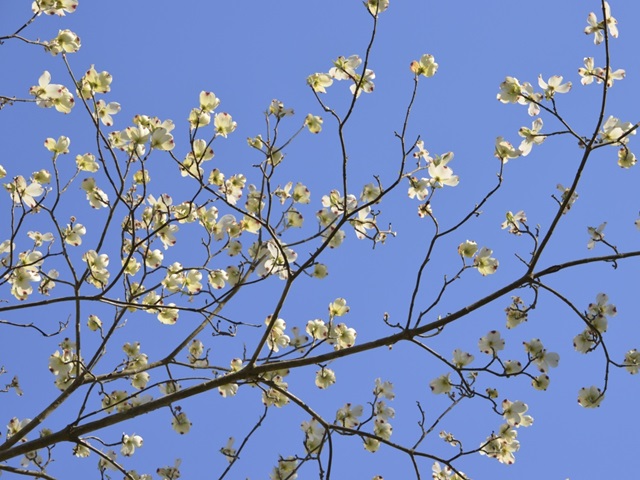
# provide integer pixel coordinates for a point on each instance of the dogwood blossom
(632, 361)
(338, 308)
(512, 367)
(21, 279)
(584, 342)
(442, 384)
(440, 473)
(348, 415)
(418, 188)
(39, 238)
(441, 175)
(345, 68)
(510, 91)
(491, 343)
(104, 111)
(483, 261)
(503, 445)
(590, 397)
(224, 124)
(382, 428)
(513, 222)
(181, 423)
(97, 198)
(363, 83)
(54, 7)
(317, 329)
(426, 66)
(565, 194)
(513, 413)
(468, 248)
(59, 146)
(461, 359)
(541, 382)
(319, 82)
(384, 389)
(168, 314)
(275, 397)
(314, 434)
(228, 451)
(597, 28)
(325, 377)
(341, 336)
(66, 41)
(596, 235)
(130, 443)
(87, 163)
(616, 132)
(277, 337)
(170, 473)
(531, 136)
(597, 312)
(285, 470)
(553, 85)
(377, 6)
(626, 158)
(208, 101)
(20, 192)
(49, 95)
(539, 355)
(313, 123)
(93, 82)
(505, 151)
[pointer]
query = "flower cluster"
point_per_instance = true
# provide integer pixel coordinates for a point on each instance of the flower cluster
(97, 264)
(344, 68)
(65, 364)
(151, 130)
(21, 192)
(503, 444)
(26, 272)
(597, 28)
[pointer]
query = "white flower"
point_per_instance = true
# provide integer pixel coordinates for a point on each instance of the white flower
(181, 423)
(325, 377)
(426, 66)
(21, 192)
(491, 343)
(468, 248)
(513, 412)
(384, 389)
(597, 28)
(553, 85)
(590, 397)
(596, 235)
(347, 416)
(510, 91)
(632, 361)
(485, 264)
(130, 443)
(228, 450)
(442, 384)
(531, 136)
(377, 6)
(461, 359)
(319, 82)
(505, 151)
(224, 124)
(513, 222)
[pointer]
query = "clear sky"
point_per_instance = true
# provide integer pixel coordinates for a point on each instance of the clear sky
(162, 54)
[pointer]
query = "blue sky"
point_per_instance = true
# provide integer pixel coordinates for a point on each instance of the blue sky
(161, 56)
